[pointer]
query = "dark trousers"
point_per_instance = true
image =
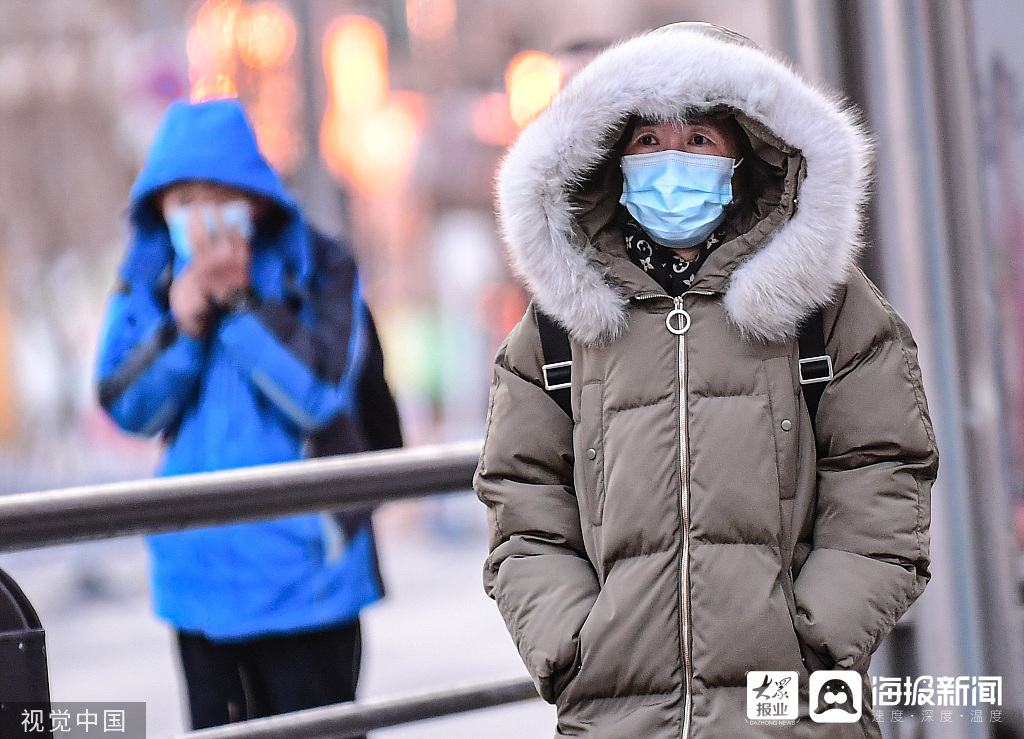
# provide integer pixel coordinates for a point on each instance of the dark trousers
(263, 677)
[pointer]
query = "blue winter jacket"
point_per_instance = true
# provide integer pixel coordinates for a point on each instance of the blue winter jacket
(253, 392)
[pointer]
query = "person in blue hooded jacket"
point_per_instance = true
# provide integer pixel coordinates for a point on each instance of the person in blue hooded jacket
(240, 336)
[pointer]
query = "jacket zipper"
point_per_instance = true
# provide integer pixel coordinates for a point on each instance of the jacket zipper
(678, 322)
(663, 296)
(680, 327)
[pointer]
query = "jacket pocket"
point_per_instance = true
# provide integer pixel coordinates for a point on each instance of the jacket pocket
(562, 679)
(812, 660)
(588, 442)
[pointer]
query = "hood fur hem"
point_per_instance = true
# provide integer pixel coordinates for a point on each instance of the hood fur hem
(663, 74)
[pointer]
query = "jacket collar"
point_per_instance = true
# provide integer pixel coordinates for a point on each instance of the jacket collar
(772, 277)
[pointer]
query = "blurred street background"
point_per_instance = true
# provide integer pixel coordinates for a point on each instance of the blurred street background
(388, 118)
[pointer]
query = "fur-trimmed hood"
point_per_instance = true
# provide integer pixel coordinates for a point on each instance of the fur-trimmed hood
(678, 70)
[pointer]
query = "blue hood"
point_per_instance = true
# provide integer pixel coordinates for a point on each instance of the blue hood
(210, 141)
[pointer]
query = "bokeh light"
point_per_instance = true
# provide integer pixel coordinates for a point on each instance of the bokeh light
(370, 134)
(211, 50)
(355, 54)
(211, 41)
(532, 80)
(430, 19)
(374, 152)
(264, 35)
(219, 87)
(388, 141)
(490, 120)
(274, 115)
(244, 51)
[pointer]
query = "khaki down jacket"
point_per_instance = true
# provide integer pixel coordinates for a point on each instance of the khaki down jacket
(685, 526)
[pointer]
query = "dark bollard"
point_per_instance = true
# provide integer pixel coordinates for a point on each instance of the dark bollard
(24, 685)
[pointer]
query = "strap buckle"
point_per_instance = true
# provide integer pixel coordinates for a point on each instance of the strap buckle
(815, 369)
(557, 376)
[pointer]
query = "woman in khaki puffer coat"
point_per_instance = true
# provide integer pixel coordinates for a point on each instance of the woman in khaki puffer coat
(685, 526)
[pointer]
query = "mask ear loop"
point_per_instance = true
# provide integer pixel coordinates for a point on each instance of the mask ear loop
(738, 163)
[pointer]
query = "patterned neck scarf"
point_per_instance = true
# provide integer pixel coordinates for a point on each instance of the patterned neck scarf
(668, 269)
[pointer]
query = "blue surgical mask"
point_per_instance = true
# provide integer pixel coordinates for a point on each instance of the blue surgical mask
(235, 214)
(678, 198)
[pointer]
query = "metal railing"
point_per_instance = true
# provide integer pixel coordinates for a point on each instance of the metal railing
(353, 719)
(30, 520)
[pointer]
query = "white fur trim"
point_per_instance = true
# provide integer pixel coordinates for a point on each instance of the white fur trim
(660, 75)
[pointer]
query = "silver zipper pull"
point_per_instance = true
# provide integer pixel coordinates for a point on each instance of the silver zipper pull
(680, 325)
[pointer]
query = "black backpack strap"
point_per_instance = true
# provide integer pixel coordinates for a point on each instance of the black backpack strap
(557, 369)
(815, 364)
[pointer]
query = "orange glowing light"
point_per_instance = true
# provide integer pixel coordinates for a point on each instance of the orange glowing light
(217, 88)
(413, 102)
(211, 50)
(274, 115)
(369, 135)
(335, 142)
(532, 80)
(196, 49)
(355, 54)
(374, 152)
(212, 38)
(205, 56)
(279, 145)
(279, 93)
(264, 35)
(261, 35)
(387, 144)
(490, 120)
(430, 19)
